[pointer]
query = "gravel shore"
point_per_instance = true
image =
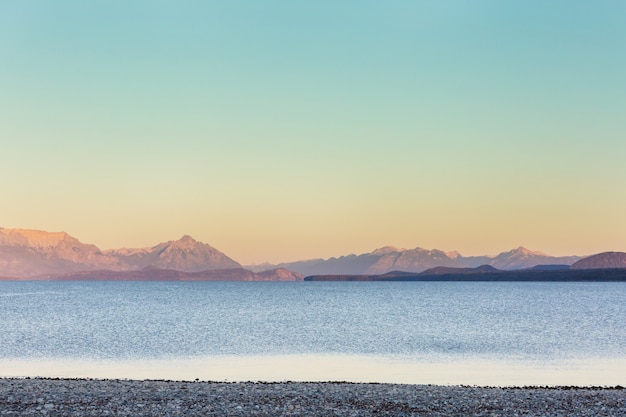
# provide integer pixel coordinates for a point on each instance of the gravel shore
(88, 397)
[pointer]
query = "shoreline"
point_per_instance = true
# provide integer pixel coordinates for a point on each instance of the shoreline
(91, 397)
(322, 368)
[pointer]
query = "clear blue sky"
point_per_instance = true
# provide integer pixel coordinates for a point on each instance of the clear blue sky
(282, 130)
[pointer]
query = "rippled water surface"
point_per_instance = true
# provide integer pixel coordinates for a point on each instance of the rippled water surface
(398, 332)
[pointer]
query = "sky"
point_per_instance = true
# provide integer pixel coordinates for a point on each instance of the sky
(286, 130)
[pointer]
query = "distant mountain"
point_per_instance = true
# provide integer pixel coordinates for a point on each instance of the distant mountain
(410, 260)
(602, 260)
(522, 258)
(389, 258)
(157, 274)
(33, 253)
(380, 261)
(28, 253)
(185, 254)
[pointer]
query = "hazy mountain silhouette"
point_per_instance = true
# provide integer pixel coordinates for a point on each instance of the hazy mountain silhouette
(522, 258)
(33, 253)
(389, 258)
(602, 261)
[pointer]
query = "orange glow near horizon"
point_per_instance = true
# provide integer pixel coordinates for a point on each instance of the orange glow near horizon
(319, 129)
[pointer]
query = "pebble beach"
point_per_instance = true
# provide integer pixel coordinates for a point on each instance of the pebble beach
(92, 397)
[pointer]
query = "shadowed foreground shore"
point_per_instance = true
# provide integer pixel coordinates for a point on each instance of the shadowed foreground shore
(81, 397)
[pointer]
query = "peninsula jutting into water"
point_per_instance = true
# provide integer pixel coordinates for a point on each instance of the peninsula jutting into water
(537, 274)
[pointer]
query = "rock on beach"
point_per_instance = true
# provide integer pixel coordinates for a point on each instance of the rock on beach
(89, 397)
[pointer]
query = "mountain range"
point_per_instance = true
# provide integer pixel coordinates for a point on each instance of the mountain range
(389, 258)
(37, 254)
(34, 254)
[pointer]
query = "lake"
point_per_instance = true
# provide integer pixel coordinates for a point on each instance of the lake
(485, 333)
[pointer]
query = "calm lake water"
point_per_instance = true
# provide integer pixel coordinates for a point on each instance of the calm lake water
(417, 332)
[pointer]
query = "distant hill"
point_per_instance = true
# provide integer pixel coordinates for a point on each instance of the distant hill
(417, 260)
(602, 260)
(555, 267)
(441, 270)
(439, 273)
(489, 275)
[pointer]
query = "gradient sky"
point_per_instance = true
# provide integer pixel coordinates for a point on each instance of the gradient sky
(283, 130)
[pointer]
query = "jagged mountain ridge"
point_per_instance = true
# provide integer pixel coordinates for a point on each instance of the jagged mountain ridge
(32, 253)
(27, 253)
(387, 259)
(185, 254)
